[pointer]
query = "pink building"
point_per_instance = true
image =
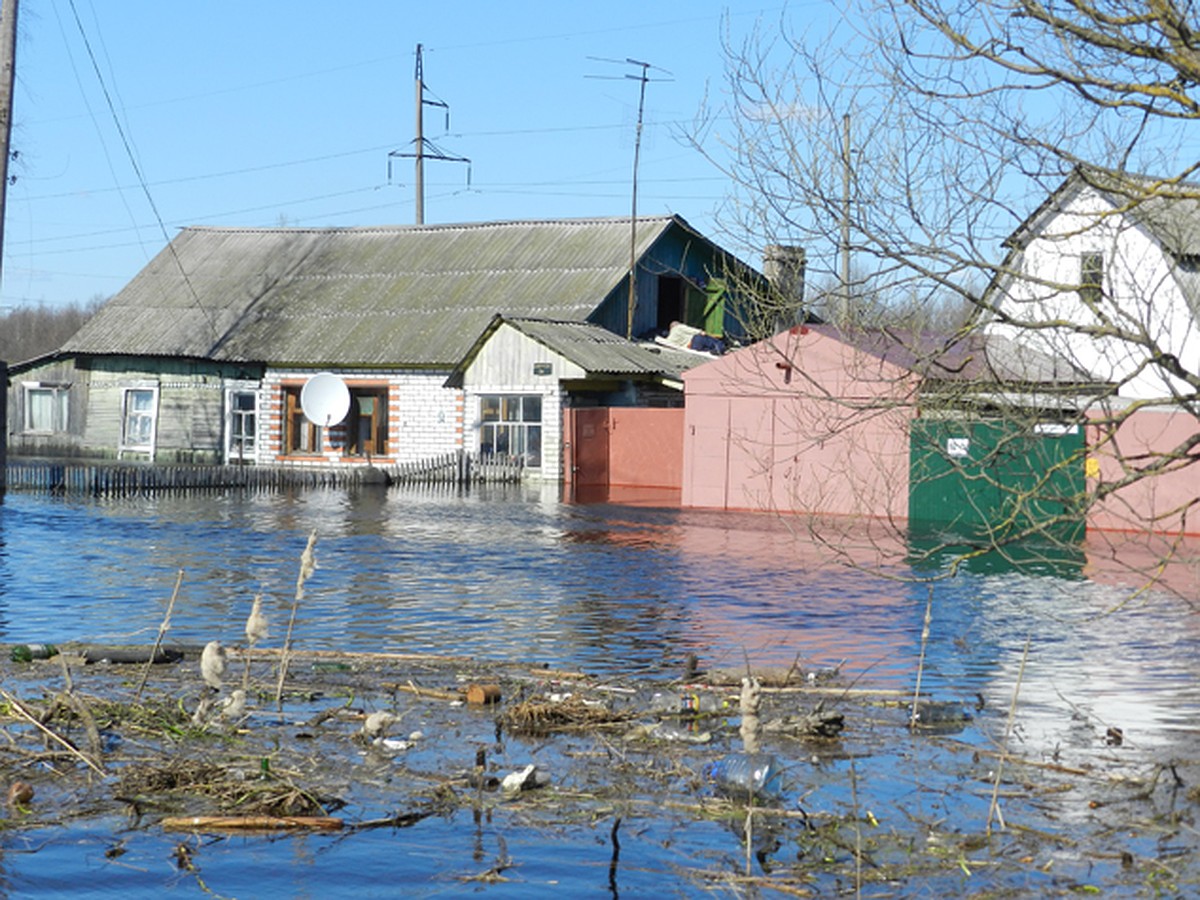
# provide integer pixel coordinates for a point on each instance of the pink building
(802, 422)
(816, 422)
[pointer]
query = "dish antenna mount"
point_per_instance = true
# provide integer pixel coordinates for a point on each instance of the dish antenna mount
(325, 399)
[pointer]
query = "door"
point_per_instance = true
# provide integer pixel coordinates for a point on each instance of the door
(996, 478)
(589, 447)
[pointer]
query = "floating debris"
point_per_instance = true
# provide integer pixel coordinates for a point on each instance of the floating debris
(525, 779)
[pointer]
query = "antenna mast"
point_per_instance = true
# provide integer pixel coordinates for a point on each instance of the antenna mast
(643, 78)
(425, 149)
(844, 300)
(637, 150)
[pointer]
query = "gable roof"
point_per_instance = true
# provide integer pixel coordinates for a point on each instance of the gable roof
(973, 358)
(1168, 209)
(407, 296)
(593, 348)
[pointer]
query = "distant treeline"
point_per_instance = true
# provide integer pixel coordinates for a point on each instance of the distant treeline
(30, 331)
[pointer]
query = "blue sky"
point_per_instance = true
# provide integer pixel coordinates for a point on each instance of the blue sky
(269, 113)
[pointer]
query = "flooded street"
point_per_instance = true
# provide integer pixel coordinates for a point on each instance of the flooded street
(625, 595)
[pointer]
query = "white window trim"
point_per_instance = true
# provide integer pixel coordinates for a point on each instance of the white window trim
(148, 448)
(480, 424)
(231, 456)
(57, 387)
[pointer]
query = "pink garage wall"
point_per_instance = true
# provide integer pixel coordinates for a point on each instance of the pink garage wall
(623, 447)
(1153, 503)
(799, 423)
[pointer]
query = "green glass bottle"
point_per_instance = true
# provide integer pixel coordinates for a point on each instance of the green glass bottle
(29, 652)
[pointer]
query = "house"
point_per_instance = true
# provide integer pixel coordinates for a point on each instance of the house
(923, 431)
(556, 391)
(204, 355)
(1105, 275)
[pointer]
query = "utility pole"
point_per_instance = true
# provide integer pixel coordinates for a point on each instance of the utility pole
(419, 176)
(425, 149)
(8, 68)
(844, 305)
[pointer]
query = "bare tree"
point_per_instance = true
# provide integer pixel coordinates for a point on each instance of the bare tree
(993, 158)
(27, 332)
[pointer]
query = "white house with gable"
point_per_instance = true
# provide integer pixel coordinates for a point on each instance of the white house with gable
(1106, 275)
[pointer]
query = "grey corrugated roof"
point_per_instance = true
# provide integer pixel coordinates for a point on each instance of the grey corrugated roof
(600, 352)
(976, 358)
(401, 296)
(1170, 211)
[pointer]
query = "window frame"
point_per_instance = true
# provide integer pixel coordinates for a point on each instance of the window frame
(240, 445)
(1091, 277)
(296, 423)
(60, 406)
(376, 422)
(513, 423)
(129, 417)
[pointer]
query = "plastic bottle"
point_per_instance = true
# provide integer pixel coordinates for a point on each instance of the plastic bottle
(743, 775)
(695, 704)
(27, 652)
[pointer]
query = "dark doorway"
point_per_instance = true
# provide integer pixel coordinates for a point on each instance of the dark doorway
(670, 301)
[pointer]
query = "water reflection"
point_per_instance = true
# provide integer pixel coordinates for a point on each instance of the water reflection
(513, 573)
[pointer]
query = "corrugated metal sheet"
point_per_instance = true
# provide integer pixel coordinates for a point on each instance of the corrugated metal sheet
(600, 352)
(404, 296)
(976, 358)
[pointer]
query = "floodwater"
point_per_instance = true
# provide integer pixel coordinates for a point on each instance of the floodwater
(616, 592)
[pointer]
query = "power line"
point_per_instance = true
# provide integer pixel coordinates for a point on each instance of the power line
(141, 179)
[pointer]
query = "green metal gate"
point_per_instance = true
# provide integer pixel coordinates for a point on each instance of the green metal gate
(996, 479)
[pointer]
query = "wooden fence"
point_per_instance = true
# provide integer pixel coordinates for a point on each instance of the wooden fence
(125, 479)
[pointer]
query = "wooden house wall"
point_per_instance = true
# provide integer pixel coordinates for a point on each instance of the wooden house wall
(505, 365)
(189, 423)
(58, 444)
(190, 417)
(675, 253)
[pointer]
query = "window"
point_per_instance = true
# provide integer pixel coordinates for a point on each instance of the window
(300, 435)
(1091, 278)
(366, 425)
(243, 418)
(511, 425)
(46, 407)
(139, 411)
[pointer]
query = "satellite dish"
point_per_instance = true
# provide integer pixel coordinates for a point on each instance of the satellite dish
(325, 399)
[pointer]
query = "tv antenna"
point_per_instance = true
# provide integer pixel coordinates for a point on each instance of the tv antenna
(423, 148)
(643, 78)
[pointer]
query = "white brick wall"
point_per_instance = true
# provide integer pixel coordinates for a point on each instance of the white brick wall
(424, 418)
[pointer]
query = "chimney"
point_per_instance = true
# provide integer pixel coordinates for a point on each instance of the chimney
(784, 268)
